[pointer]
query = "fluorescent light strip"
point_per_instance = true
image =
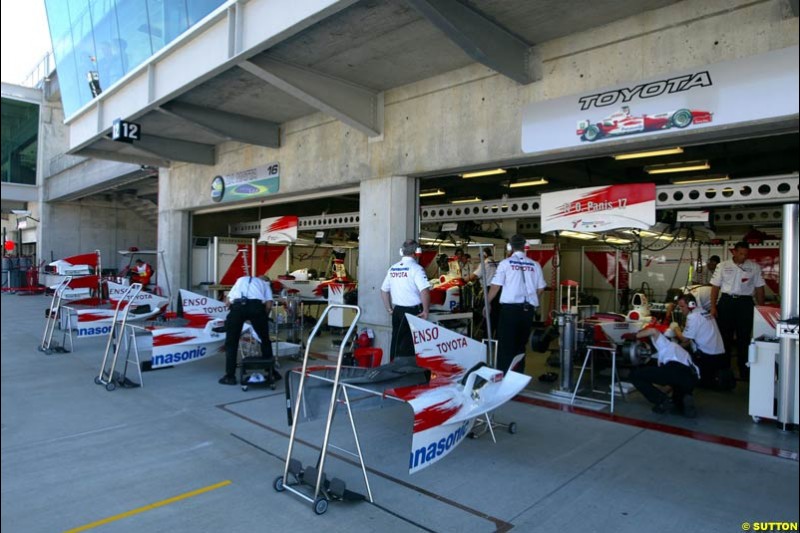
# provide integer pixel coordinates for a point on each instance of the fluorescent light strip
(578, 235)
(651, 153)
(431, 192)
(480, 173)
(677, 167)
(529, 183)
(616, 240)
(465, 200)
(700, 180)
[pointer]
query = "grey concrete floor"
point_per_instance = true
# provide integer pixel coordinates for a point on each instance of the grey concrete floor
(75, 455)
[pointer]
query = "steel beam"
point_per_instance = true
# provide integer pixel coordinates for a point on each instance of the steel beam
(177, 150)
(483, 40)
(227, 125)
(357, 106)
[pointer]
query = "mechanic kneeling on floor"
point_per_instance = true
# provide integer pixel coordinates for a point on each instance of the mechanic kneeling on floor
(250, 298)
(675, 368)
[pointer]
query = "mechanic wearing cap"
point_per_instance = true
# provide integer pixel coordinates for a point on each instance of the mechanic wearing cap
(522, 282)
(405, 289)
(250, 298)
(738, 280)
(711, 266)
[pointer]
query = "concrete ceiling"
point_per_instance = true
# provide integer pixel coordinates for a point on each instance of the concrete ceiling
(373, 44)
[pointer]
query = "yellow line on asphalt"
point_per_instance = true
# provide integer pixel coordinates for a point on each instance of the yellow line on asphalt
(151, 506)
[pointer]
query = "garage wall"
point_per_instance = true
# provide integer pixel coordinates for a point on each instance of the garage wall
(472, 116)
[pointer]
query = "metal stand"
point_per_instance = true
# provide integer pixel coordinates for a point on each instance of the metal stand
(487, 423)
(106, 375)
(614, 376)
(53, 314)
(314, 476)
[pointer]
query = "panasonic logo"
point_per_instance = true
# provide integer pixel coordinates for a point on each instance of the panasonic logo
(425, 454)
(91, 332)
(179, 357)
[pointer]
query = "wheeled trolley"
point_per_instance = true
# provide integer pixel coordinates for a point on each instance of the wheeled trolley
(53, 313)
(318, 489)
(487, 423)
(106, 376)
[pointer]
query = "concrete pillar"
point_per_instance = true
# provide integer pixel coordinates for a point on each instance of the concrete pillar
(173, 239)
(387, 218)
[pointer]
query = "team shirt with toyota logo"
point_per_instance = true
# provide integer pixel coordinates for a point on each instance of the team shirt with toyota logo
(702, 329)
(510, 274)
(404, 281)
(738, 280)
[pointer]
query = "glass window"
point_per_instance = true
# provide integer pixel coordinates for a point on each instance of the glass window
(61, 36)
(106, 36)
(134, 46)
(20, 133)
(200, 8)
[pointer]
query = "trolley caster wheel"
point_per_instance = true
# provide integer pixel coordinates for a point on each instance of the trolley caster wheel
(512, 427)
(97, 380)
(320, 505)
(111, 386)
(278, 484)
(756, 419)
(244, 388)
(472, 435)
(272, 386)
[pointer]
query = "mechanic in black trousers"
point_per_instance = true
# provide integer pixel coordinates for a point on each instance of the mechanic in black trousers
(738, 280)
(405, 289)
(250, 298)
(522, 282)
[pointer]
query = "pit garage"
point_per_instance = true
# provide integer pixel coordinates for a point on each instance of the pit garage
(633, 274)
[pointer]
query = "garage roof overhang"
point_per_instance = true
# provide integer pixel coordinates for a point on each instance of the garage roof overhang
(252, 65)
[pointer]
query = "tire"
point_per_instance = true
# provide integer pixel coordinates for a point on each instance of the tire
(320, 505)
(111, 386)
(681, 118)
(278, 484)
(512, 428)
(592, 133)
(97, 380)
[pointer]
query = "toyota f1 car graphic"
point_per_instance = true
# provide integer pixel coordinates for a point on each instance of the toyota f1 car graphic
(623, 123)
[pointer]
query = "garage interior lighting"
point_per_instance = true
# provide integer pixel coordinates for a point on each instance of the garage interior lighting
(480, 173)
(649, 234)
(466, 200)
(528, 183)
(578, 235)
(708, 179)
(431, 192)
(686, 166)
(616, 240)
(649, 153)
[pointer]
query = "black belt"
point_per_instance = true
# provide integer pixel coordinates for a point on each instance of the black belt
(729, 295)
(241, 301)
(517, 305)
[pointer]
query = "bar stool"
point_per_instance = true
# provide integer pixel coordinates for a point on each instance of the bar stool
(590, 350)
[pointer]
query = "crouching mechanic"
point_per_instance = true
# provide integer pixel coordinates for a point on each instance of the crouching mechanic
(675, 368)
(703, 339)
(250, 298)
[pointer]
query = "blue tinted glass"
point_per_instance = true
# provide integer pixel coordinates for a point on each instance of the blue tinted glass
(83, 46)
(134, 29)
(61, 36)
(106, 36)
(176, 19)
(155, 14)
(199, 9)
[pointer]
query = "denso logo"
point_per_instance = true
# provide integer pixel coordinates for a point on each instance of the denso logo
(647, 90)
(427, 453)
(178, 357)
(188, 302)
(91, 332)
(426, 335)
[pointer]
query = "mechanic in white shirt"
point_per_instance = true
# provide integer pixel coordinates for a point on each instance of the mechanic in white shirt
(675, 368)
(736, 281)
(405, 289)
(701, 293)
(250, 298)
(522, 282)
(701, 336)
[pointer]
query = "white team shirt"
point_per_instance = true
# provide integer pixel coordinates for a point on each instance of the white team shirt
(252, 288)
(404, 281)
(491, 270)
(668, 352)
(702, 329)
(516, 288)
(735, 279)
